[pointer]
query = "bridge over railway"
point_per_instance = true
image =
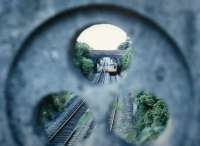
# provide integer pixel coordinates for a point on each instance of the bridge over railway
(115, 54)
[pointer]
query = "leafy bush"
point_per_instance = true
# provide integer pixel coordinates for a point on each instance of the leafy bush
(87, 65)
(151, 117)
(82, 60)
(125, 60)
(52, 104)
(125, 45)
(82, 49)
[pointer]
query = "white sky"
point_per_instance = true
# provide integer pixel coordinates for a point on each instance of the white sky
(103, 37)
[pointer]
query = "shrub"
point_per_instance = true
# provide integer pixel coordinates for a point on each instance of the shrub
(125, 60)
(82, 49)
(87, 66)
(125, 45)
(82, 60)
(53, 104)
(151, 117)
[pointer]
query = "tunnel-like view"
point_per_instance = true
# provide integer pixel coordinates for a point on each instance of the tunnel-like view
(99, 73)
(65, 118)
(103, 53)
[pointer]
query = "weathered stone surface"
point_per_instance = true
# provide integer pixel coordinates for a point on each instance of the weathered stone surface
(171, 30)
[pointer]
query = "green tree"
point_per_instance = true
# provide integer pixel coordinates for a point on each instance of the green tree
(151, 117)
(125, 45)
(87, 66)
(82, 58)
(82, 49)
(52, 104)
(125, 60)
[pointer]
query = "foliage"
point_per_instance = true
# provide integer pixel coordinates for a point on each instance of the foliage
(151, 117)
(125, 60)
(87, 65)
(85, 118)
(82, 60)
(116, 105)
(125, 45)
(82, 49)
(53, 104)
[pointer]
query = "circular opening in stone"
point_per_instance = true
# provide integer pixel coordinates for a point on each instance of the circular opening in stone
(102, 52)
(65, 119)
(138, 118)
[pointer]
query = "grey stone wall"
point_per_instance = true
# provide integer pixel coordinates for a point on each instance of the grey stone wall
(165, 34)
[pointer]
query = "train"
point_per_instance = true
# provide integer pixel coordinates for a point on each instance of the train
(107, 64)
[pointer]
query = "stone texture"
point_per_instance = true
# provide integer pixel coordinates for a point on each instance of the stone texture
(176, 22)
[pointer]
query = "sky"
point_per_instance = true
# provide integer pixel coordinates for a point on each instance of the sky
(103, 37)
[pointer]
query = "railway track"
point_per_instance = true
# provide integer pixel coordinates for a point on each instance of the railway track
(113, 115)
(100, 78)
(81, 133)
(52, 126)
(113, 79)
(66, 130)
